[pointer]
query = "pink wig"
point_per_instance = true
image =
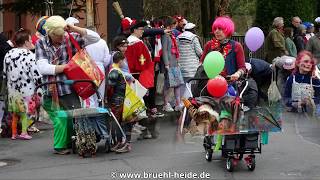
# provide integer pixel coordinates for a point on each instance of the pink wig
(225, 24)
(299, 58)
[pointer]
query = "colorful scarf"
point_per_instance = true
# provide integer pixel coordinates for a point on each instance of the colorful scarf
(224, 48)
(174, 47)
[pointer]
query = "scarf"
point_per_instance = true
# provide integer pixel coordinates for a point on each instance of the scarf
(157, 47)
(224, 48)
(174, 47)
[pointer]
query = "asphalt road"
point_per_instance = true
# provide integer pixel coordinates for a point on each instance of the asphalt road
(291, 154)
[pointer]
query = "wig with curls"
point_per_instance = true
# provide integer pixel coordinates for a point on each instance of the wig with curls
(299, 58)
(225, 24)
(55, 25)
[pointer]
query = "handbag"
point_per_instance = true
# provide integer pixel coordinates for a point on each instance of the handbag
(175, 77)
(273, 91)
(81, 67)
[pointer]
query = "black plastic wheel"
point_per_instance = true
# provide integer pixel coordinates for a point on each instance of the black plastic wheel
(107, 146)
(240, 157)
(207, 144)
(209, 153)
(229, 164)
(224, 154)
(73, 145)
(252, 165)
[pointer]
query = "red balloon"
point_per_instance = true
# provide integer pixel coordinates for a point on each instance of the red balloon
(217, 87)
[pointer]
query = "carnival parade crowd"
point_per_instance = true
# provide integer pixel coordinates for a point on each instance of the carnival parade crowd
(159, 56)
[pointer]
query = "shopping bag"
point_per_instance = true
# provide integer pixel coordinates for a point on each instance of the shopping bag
(274, 94)
(81, 67)
(141, 91)
(133, 105)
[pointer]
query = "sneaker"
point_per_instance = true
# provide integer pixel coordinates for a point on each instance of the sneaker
(124, 149)
(24, 136)
(14, 137)
(178, 108)
(145, 135)
(154, 135)
(167, 108)
(142, 116)
(138, 126)
(136, 130)
(157, 115)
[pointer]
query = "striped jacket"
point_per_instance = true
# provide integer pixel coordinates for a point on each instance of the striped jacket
(190, 53)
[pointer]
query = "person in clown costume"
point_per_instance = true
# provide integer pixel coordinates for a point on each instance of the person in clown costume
(232, 51)
(141, 67)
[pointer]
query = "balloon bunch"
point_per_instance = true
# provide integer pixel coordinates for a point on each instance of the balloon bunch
(213, 64)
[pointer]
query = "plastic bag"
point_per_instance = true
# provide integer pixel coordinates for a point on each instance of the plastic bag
(274, 94)
(133, 104)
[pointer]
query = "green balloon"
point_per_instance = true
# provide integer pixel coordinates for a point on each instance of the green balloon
(213, 64)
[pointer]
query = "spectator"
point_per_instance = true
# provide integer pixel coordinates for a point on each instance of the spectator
(313, 44)
(299, 40)
(290, 46)
(173, 76)
(275, 42)
(180, 24)
(190, 53)
(295, 22)
(22, 76)
(310, 30)
(301, 87)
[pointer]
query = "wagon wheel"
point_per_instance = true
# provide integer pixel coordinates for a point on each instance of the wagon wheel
(252, 163)
(230, 164)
